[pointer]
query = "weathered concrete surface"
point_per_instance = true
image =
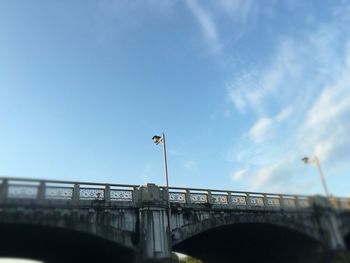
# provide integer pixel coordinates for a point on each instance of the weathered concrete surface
(52, 244)
(153, 225)
(224, 235)
(345, 228)
(138, 231)
(251, 243)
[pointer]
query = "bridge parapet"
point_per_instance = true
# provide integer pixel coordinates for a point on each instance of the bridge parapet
(54, 190)
(249, 200)
(137, 217)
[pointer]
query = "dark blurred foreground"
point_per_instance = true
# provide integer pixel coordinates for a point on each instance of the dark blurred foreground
(341, 257)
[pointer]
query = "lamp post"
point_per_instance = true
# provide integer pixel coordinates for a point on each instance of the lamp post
(157, 140)
(315, 161)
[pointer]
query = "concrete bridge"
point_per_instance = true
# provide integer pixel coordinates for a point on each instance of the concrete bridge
(58, 221)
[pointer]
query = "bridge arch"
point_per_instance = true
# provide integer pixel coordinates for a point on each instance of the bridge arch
(250, 242)
(347, 241)
(345, 229)
(87, 233)
(249, 238)
(346, 237)
(292, 221)
(58, 244)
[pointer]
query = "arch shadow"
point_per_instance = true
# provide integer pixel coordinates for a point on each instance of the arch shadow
(290, 221)
(347, 241)
(251, 242)
(55, 244)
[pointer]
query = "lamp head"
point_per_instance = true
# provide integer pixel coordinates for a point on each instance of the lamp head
(157, 139)
(305, 160)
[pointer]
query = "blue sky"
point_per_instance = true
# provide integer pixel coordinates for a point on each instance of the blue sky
(243, 90)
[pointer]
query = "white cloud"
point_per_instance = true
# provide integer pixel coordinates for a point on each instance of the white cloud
(284, 114)
(259, 130)
(312, 76)
(327, 122)
(265, 127)
(250, 89)
(237, 176)
(332, 104)
(324, 131)
(275, 177)
(265, 175)
(205, 21)
(209, 16)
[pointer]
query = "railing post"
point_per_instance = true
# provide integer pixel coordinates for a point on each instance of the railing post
(4, 190)
(135, 195)
(76, 192)
(282, 200)
(107, 193)
(297, 205)
(266, 205)
(249, 205)
(229, 199)
(209, 197)
(41, 191)
(188, 196)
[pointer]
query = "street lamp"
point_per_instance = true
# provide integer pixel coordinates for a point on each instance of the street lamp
(315, 161)
(157, 140)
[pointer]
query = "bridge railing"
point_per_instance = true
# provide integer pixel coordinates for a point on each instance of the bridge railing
(248, 200)
(32, 189)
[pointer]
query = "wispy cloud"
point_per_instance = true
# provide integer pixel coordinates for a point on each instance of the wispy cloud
(260, 129)
(239, 10)
(284, 114)
(327, 121)
(239, 175)
(308, 82)
(249, 90)
(209, 16)
(205, 20)
(265, 126)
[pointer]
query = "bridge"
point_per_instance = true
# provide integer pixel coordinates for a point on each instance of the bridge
(57, 221)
